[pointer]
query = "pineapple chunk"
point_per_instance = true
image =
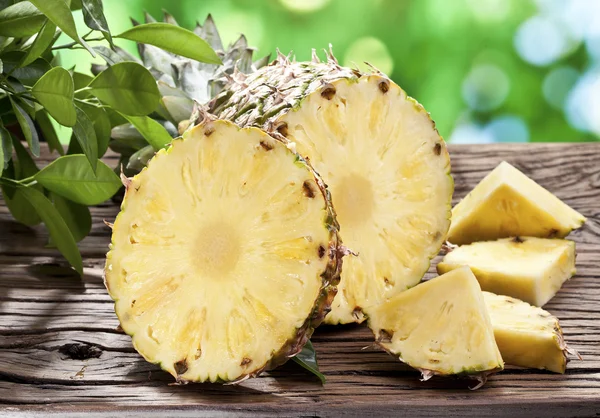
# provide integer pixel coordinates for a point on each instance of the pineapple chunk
(527, 336)
(527, 268)
(507, 203)
(439, 327)
(224, 256)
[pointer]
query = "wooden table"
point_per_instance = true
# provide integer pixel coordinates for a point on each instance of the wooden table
(61, 352)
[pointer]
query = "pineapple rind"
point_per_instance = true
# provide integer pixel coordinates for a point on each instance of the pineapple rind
(527, 336)
(329, 276)
(507, 203)
(423, 327)
(269, 99)
(527, 268)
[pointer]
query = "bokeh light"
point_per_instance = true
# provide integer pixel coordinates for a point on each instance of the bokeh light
(369, 50)
(485, 87)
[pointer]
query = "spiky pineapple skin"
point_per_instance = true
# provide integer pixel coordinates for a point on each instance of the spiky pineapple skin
(263, 98)
(330, 276)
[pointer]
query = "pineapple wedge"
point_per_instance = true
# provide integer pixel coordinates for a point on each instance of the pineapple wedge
(440, 327)
(378, 151)
(507, 203)
(527, 336)
(224, 256)
(527, 268)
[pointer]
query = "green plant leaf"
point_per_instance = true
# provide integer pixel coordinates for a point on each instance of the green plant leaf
(152, 131)
(7, 147)
(86, 137)
(48, 131)
(54, 91)
(18, 206)
(21, 20)
(93, 15)
(76, 216)
(111, 57)
(58, 12)
(42, 41)
(71, 177)
(57, 227)
(140, 158)
(174, 39)
(24, 166)
(27, 127)
(127, 87)
(307, 358)
(101, 123)
(28, 74)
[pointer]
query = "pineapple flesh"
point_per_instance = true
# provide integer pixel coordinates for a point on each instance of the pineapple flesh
(527, 268)
(224, 256)
(527, 336)
(381, 156)
(440, 327)
(507, 203)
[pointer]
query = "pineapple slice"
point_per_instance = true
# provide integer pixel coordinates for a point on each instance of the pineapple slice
(507, 203)
(526, 335)
(225, 255)
(440, 327)
(380, 154)
(527, 268)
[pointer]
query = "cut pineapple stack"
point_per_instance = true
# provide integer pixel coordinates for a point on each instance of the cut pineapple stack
(440, 327)
(381, 156)
(507, 203)
(526, 335)
(224, 256)
(527, 268)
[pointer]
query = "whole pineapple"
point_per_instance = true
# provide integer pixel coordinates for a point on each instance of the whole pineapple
(225, 255)
(378, 151)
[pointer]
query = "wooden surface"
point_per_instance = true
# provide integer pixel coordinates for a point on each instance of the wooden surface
(61, 352)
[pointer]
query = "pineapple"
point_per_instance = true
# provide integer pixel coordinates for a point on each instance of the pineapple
(378, 151)
(526, 335)
(507, 203)
(225, 255)
(527, 268)
(440, 327)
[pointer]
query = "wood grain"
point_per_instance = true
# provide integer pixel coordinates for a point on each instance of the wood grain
(61, 352)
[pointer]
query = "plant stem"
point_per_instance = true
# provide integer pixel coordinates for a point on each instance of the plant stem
(86, 88)
(27, 179)
(72, 44)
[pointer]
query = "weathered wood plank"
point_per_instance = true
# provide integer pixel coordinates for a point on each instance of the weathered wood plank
(61, 352)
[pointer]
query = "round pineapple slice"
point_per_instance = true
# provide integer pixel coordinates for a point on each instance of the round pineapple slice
(379, 152)
(224, 256)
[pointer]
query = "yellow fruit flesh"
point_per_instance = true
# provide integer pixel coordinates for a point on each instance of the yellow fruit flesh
(507, 203)
(388, 172)
(526, 335)
(217, 254)
(527, 268)
(441, 326)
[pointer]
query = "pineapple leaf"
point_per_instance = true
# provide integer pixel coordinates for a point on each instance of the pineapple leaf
(59, 13)
(111, 57)
(127, 87)
(174, 39)
(54, 90)
(42, 41)
(28, 128)
(86, 137)
(307, 358)
(152, 131)
(20, 20)
(56, 225)
(70, 176)
(210, 33)
(93, 15)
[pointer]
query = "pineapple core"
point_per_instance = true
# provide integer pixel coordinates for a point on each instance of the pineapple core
(526, 335)
(439, 327)
(388, 172)
(527, 268)
(507, 203)
(220, 253)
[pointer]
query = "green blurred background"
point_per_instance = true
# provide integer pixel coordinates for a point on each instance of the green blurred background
(487, 70)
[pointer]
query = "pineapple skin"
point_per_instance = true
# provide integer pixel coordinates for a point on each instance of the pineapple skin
(264, 98)
(330, 276)
(527, 336)
(507, 203)
(536, 286)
